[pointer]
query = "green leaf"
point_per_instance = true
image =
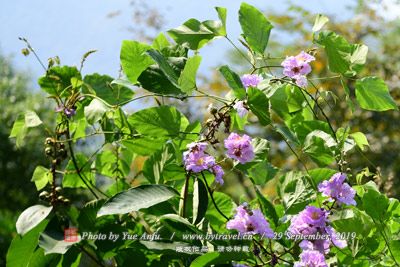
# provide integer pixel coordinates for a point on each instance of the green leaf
(160, 42)
(320, 147)
(212, 258)
(57, 81)
(32, 119)
(164, 65)
(154, 166)
(22, 248)
(375, 204)
(395, 249)
(31, 217)
(154, 80)
(360, 139)
(320, 174)
(111, 91)
(71, 178)
(187, 80)
(95, 111)
(320, 21)
(134, 60)
(267, 207)
(262, 172)
(234, 82)
(295, 191)
(144, 146)
(41, 176)
(159, 121)
(343, 57)
(24, 121)
(225, 204)
(255, 26)
(196, 34)
(200, 201)
(302, 129)
(222, 16)
(53, 242)
(137, 198)
(259, 105)
(373, 94)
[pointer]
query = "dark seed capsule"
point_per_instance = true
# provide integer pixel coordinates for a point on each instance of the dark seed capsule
(67, 201)
(44, 195)
(49, 141)
(48, 151)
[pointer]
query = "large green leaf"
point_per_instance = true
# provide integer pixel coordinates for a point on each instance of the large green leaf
(234, 81)
(259, 105)
(22, 248)
(108, 90)
(164, 66)
(154, 79)
(137, 198)
(320, 147)
(71, 178)
(320, 21)
(196, 34)
(145, 145)
(343, 57)
(53, 242)
(225, 204)
(134, 60)
(31, 217)
(373, 94)
(159, 121)
(255, 26)
(187, 79)
(57, 80)
(296, 192)
(267, 207)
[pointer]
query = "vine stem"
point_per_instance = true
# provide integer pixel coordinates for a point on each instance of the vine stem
(212, 197)
(75, 163)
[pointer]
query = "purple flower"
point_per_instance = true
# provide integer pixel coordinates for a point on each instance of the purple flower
(248, 221)
(219, 173)
(336, 189)
(241, 109)
(197, 160)
(311, 258)
(308, 221)
(321, 245)
(340, 243)
(297, 67)
(250, 80)
(239, 147)
(69, 112)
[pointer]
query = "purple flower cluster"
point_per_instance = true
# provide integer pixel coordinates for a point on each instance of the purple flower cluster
(297, 67)
(311, 258)
(197, 160)
(69, 112)
(250, 80)
(247, 221)
(241, 109)
(312, 224)
(239, 147)
(337, 190)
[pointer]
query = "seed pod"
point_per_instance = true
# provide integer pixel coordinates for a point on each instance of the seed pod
(58, 189)
(48, 151)
(213, 111)
(49, 141)
(67, 201)
(44, 195)
(61, 198)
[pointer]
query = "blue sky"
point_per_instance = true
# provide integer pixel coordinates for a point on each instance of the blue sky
(70, 28)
